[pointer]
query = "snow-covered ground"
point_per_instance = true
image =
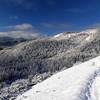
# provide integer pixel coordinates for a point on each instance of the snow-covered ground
(95, 90)
(80, 82)
(89, 33)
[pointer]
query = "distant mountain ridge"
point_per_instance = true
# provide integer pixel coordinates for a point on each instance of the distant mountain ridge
(9, 41)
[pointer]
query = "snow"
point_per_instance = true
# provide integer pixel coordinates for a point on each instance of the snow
(58, 35)
(80, 82)
(91, 33)
(64, 35)
(95, 90)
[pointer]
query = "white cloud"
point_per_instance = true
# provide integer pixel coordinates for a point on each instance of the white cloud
(56, 25)
(20, 34)
(13, 17)
(96, 25)
(93, 26)
(23, 27)
(21, 30)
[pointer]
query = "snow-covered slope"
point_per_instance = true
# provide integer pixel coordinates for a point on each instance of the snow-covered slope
(88, 34)
(95, 90)
(43, 56)
(80, 82)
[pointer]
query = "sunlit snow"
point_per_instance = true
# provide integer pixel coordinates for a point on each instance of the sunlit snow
(80, 82)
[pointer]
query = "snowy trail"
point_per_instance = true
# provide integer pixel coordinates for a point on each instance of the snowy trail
(91, 90)
(95, 89)
(80, 82)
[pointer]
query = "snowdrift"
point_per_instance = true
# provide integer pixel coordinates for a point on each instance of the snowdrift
(80, 82)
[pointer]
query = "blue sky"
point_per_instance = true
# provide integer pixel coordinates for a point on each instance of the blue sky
(48, 16)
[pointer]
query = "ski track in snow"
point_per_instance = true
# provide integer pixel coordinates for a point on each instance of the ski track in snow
(95, 89)
(80, 82)
(90, 89)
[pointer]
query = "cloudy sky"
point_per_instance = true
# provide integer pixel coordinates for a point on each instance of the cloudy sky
(35, 17)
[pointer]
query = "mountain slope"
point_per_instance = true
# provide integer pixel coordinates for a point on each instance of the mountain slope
(74, 83)
(43, 55)
(9, 41)
(35, 60)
